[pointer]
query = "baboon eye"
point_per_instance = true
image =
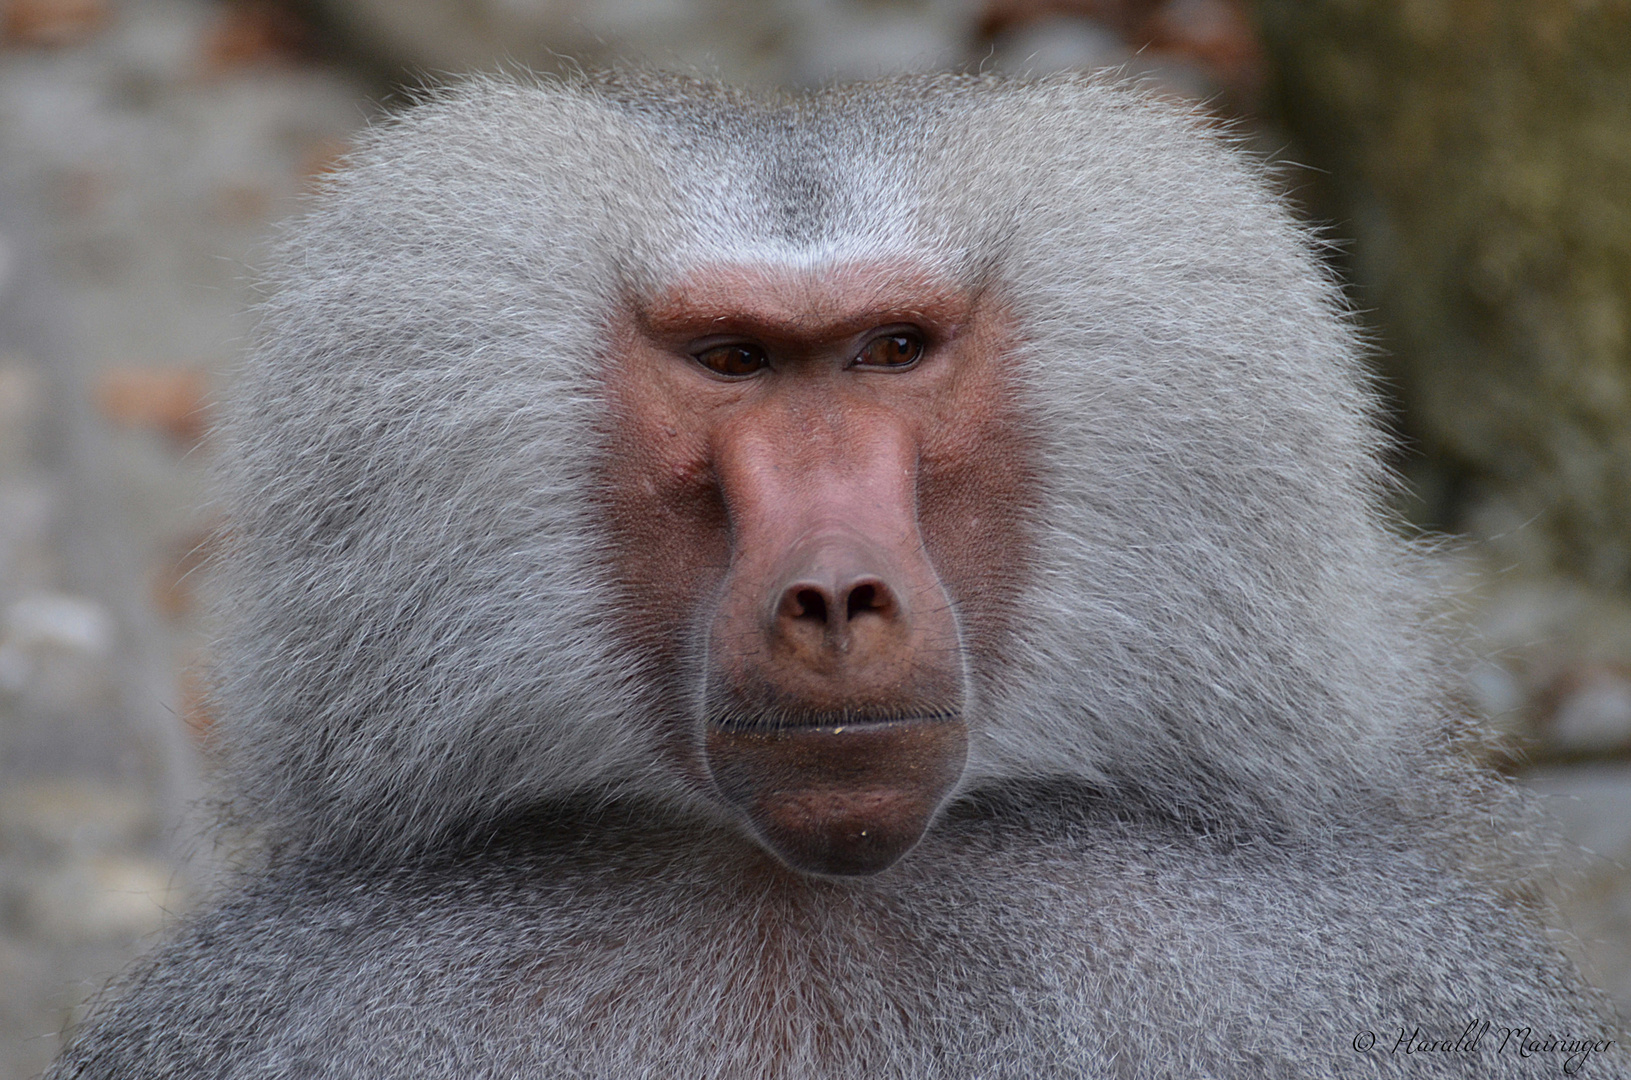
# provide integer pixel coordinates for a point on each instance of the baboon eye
(733, 360)
(896, 349)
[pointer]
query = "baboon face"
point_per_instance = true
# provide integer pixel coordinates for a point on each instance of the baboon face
(815, 481)
(629, 439)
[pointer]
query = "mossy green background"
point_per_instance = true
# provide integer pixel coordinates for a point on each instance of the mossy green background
(1478, 155)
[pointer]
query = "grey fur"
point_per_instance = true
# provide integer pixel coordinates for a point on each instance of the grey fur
(1214, 821)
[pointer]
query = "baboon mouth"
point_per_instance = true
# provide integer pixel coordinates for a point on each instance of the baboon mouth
(842, 796)
(834, 721)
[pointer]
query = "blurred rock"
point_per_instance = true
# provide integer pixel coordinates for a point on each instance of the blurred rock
(1190, 48)
(743, 41)
(238, 202)
(251, 33)
(177, 578)
(55, 820)
(1590, 712)
(1057, 43)
(8, 265)
(320, 157)
(30, 1021)
(1124, 18)
(763, 42)
(51, 23)
(1194, 50)
(104, 897)
(1218, 37)
(1593, 805)
(79, 868)
(53, 653)
(21, 399)
(837, 41)
(77, 191)
(29, 560)
(197, 703)
(1556, 667)
(174, 401)
(1498, 695)
(70, 623)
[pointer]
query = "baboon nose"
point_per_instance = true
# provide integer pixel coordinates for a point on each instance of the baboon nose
(841, 621)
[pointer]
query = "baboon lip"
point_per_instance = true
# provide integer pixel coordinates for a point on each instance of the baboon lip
(835, 723)
(839, 798)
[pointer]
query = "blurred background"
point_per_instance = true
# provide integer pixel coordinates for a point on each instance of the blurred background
(1471, 160)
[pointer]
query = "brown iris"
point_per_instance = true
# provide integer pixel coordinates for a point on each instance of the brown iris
(897, 349)
(734, 360)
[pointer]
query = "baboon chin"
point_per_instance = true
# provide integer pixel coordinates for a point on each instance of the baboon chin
(885, 581)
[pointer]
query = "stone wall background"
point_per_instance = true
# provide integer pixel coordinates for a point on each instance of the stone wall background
(148, 146)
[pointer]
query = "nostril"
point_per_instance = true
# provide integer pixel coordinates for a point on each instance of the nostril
(860, 599)
(868, 596)
(810, 604)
